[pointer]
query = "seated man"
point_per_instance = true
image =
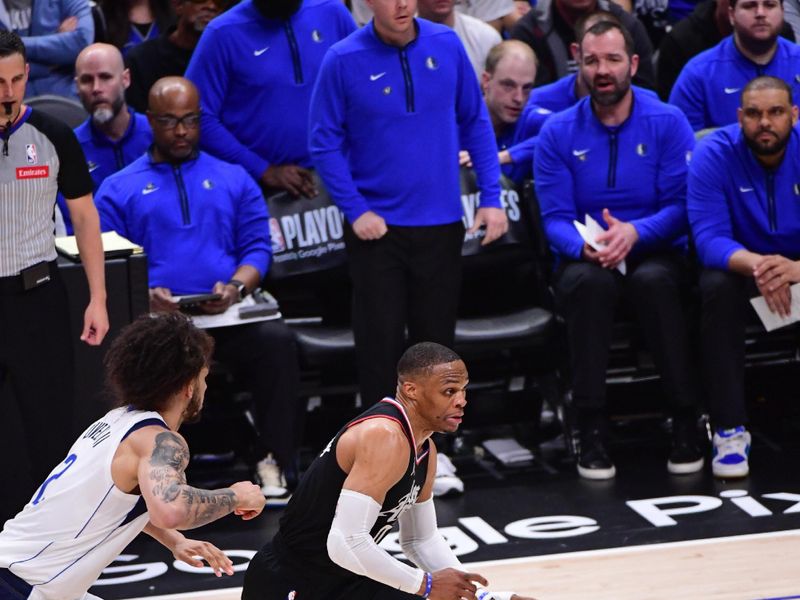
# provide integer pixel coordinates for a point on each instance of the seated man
(168, 54)
(54, 32)
(708, 88)
(619, 156)
(125, 474)
(113, 136)
(745, 218)
(507, 82)
(205, 228)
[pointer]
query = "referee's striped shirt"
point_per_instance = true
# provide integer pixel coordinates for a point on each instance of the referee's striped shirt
(43, 157)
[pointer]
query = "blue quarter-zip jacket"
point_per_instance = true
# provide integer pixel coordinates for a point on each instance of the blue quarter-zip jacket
(560, 95)
(255, 77)
(104, 156)
(736, 204)
(387, 124)
(637, 170)
(520, 141)
(709, 88)
(198, 220)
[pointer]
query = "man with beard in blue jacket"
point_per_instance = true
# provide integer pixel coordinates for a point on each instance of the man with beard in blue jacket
(744, 208)
(621, 157)
(204, 226)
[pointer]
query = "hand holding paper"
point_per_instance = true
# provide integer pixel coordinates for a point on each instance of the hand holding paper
(772, 319)
(612, 245)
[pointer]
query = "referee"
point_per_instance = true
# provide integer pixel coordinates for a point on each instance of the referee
(39, 156)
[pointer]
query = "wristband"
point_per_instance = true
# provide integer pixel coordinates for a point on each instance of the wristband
(428, 584)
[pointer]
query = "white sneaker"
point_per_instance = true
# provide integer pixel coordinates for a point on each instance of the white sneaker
(731, 452)
(446, 481)
(272, 481)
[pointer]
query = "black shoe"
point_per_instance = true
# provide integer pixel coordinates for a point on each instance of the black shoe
(686, 456)
(593, 462)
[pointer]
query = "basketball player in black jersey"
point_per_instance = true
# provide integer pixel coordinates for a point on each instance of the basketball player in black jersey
(377, 471)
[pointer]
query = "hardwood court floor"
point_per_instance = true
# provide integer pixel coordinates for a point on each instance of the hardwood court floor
(750, 567)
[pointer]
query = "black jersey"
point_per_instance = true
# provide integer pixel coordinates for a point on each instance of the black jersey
(304, 526)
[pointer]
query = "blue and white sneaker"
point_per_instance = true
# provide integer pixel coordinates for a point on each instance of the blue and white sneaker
(731, 451)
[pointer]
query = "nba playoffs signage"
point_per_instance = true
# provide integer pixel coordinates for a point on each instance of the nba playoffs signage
(307, 233)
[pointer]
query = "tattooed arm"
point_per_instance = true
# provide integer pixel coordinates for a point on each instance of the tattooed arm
(171, 502)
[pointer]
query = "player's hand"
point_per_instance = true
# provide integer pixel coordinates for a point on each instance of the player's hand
(618, 240)
(464, 159)
(292, 178)
(249, 499)
(452, 584)
(230, 295)
(188, 551)
(370, 226)
(95, 323)
(161, 300)
(495, 220)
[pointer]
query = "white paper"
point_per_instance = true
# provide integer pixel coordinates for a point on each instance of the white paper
(773, 320)
(589, 233)
(231, 316)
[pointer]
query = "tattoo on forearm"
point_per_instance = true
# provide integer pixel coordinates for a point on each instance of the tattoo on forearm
(167, 465)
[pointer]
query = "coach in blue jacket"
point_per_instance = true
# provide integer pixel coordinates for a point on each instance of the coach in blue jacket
(709, 86)
(393, 105)
(204, 226)
(255, 67)
(744, 209)
(619, 156)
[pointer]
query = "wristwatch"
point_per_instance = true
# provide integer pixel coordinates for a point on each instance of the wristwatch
(241, 288)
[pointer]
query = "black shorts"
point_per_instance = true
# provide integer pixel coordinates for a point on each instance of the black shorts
(273, 577)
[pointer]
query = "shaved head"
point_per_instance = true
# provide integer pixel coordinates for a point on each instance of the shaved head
(102, 79)
(174, 115)
(109, 55)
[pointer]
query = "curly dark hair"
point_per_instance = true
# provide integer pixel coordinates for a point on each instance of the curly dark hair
(154, 357)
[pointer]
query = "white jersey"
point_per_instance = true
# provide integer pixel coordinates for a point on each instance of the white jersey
(78, 521)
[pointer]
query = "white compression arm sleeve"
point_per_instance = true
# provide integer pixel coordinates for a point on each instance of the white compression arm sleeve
(351, 547)
(421, 541)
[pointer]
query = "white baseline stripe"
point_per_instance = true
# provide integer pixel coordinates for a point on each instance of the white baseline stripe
(235, 593)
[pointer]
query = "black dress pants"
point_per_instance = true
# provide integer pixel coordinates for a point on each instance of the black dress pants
(725, 315)
(587, 296)
(411, 277)
(36, 359)
(263, 356)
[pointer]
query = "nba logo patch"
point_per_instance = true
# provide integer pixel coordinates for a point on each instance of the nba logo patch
(278, 243)
(31, 154)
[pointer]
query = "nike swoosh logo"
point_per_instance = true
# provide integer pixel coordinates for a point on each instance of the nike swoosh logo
(376, 77)
(744, 189)
(731, 90)
(93, 168)
(579, 152)
(149, 191)
(260, 52)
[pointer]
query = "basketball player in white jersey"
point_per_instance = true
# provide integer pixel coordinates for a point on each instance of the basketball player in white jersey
(125, 473)
(375, 473)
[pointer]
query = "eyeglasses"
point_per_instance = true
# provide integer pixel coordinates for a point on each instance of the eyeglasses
(190, 121)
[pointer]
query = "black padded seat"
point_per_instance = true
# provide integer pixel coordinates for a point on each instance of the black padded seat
(66, 110)
(321, 344)
(534, 326)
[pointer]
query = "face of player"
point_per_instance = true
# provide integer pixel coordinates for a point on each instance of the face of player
(606, 68)
(196, 14)
(757, 23)
(13, 79)
(766, 118)
(435, 10)
(506, 91)
(394, 19)
(192, 412)
(175, 120)
(102, 80)
(443, 396)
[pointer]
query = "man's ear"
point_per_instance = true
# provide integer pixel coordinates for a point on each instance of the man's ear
(410, 389)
